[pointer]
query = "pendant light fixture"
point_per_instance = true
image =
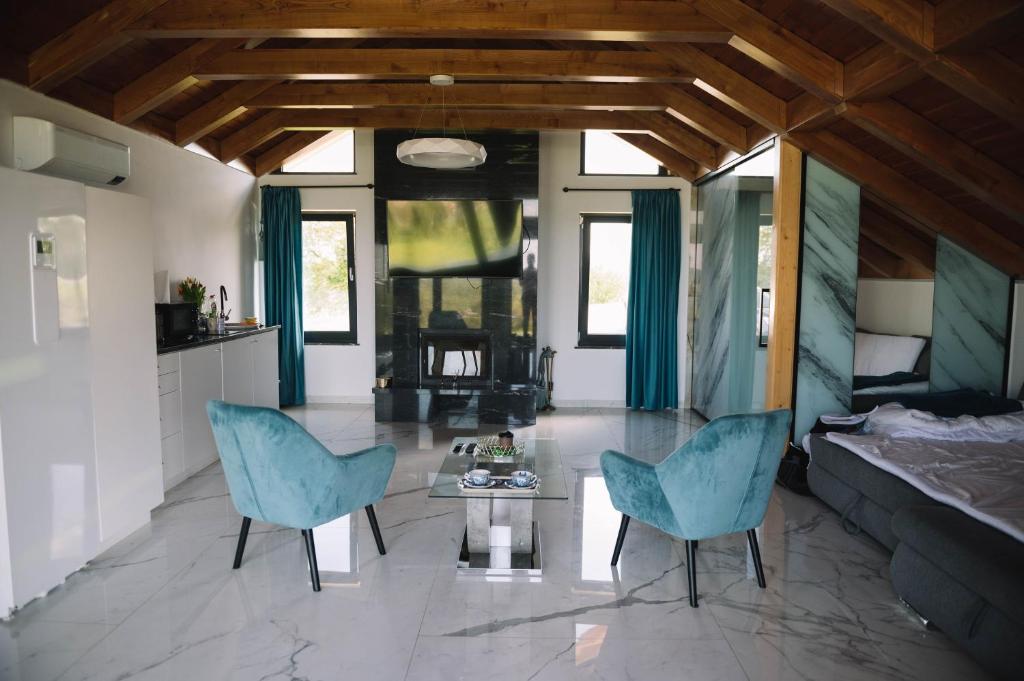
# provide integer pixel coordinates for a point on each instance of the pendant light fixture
(442, 153)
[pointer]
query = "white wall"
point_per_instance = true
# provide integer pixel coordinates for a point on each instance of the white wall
(1017, 342)
(588, 377)
(895, 306)
(344, 373)
(201, 209)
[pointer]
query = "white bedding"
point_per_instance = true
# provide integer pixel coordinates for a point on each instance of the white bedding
(894, 420)
(985, 480)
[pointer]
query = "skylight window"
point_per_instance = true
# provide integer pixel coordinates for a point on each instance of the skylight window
(604, 153)
(333, 153)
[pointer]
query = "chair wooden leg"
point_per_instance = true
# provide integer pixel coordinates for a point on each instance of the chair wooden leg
(756, 553)
(376, 530)
(691, 570)
(622, 537)
(314, 571)
(240, 549)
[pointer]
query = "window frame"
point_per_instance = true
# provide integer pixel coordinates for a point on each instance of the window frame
(349, 337)
(354, 171)
(662, 170)
(585, 340)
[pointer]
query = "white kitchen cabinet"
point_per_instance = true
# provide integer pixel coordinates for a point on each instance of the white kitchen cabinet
(173, 452)
(200, 382)
(265, 376)
(236, 358)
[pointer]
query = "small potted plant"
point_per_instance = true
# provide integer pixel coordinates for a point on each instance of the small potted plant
(193, 291)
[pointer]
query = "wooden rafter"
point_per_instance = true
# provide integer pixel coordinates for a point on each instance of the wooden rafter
(963, 25)
(226, 106)
(773, 46)
(417, 64)
(598, 97)
(477, 19)
(666, 155)
(677, 136)
(276, 121)
(727, 85)
(908, 243)
(702, 118)
(941, 152)
(912, 199)
(988, 78)
(85, 43)
(167, 80)
(272, 158)
(878, 72)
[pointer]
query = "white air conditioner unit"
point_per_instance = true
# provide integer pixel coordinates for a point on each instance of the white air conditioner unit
(44, 147)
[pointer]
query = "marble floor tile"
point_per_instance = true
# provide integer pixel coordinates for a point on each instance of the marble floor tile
(165, 604)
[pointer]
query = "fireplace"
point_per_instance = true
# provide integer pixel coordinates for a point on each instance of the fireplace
(455, 358)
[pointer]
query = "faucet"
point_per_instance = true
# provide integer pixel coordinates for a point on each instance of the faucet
(223, 298)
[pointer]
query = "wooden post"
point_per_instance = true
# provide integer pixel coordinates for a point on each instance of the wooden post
(782, 339)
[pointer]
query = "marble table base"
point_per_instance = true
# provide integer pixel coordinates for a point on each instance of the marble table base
(501, 537)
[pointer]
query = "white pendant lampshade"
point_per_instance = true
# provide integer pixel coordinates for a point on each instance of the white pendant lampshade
(441, 153)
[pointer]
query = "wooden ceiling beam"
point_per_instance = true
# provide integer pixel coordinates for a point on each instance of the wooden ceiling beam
(964, 25)
(602, 20)
(989, 79)
(912, 199)
(167, 80)
(276, 121)
(807, 112)
(942, 153)
(726, 85)
(226, 106)
(877, 258)
(896, 238)
(417, 64)
(673, 133)
(704, 119)
(878, 72)
(272, 158)
(585, 96)
(776, 48)
(85, 43)
(667, 156)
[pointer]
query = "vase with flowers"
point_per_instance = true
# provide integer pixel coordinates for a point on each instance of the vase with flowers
(193, 291)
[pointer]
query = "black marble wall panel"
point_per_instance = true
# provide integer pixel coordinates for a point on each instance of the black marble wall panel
(404, 304)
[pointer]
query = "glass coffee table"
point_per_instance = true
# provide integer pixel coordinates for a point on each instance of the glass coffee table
(501, 535)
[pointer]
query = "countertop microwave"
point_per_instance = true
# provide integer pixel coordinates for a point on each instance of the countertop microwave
(175, 322)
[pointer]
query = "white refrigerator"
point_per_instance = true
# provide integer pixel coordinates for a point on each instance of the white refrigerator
(74, 476)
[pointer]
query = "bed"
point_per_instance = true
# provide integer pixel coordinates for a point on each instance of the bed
(951, 510)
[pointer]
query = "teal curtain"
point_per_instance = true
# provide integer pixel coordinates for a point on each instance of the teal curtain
(743, 313)
(652, 318)
(282, 236)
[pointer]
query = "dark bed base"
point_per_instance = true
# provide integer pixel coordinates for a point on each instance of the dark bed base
(960, 574)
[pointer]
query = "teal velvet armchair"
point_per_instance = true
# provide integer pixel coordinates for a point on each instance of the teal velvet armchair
(717, 483)
(278, 473)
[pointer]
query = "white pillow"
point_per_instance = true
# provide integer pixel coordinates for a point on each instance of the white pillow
(878, 355)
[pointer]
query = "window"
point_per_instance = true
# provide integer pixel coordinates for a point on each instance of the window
(333, 153)
(328, 278)
(605, 245)
(604, 153)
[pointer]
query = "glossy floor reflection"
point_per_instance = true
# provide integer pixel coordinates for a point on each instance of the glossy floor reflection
(164, 604)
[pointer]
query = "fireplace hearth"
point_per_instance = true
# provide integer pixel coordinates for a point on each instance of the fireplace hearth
(455, 358)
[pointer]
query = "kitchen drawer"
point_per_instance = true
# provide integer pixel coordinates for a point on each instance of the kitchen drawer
(167, 383)
(165, 364)
(170, 414)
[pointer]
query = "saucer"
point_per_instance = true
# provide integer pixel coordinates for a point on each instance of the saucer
(468, 485)
(533, 485)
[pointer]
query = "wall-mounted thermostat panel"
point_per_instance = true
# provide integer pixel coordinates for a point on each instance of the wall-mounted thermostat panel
(45, 301)
(44, 251)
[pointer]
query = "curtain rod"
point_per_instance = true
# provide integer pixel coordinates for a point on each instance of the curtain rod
(629, 189)
(325, 186)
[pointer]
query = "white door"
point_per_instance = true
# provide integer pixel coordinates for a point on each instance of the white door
(264, 359)
(200, 382)
(236, 358)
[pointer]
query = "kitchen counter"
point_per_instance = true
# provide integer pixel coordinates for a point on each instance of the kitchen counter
(212, 338)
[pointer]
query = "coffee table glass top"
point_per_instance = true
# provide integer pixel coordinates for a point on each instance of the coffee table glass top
(539, 456)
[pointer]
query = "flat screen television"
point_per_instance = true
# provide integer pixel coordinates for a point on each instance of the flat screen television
(455, 238)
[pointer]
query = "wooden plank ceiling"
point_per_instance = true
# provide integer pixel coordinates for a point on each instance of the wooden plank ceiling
(919, 101)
